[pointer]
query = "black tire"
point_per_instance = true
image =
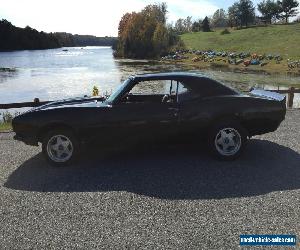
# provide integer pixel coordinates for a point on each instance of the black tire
(52, 155)
(230, 146)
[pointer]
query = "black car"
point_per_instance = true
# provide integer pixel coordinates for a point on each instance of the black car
(153, 106)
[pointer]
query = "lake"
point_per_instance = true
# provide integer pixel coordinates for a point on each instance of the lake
(54, 74)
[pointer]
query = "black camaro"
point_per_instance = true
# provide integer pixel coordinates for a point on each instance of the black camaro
(153, 106)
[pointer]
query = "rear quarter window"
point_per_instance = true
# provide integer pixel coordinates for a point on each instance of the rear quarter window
(206, 87)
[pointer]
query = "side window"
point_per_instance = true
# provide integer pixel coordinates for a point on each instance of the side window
(184, 93)
(182, 89)
(157, 87)
(161, 91)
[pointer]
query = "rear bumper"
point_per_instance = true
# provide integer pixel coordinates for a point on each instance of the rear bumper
(28, 140)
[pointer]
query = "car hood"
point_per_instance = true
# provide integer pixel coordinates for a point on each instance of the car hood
(72, 102)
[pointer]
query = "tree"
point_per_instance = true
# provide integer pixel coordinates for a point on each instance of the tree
(205, 25)
(183, 25)
(288, 8)
(126, 18)
(65, 39)
(157, 12)
(179, 26)
(219, 18)
(246, 12)
(233, 15)
(145, 34)
(15, 38)
(269, 10)
(188, 24)
(174, 39)
(241, 13)
(196, 27)
(160, 39)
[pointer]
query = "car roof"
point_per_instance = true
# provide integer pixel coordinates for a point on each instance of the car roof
(198, 82)
(166, 75)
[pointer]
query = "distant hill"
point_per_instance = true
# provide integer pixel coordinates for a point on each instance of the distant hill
(279, 39)
(15, 38)
(69, 40)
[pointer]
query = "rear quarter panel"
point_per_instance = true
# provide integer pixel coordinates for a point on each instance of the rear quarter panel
(257, 115)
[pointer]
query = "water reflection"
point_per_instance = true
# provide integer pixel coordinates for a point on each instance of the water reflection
(6, 73)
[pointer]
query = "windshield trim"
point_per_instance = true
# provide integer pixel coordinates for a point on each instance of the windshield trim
(121, 89)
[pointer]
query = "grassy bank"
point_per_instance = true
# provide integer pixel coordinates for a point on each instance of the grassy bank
(274, 39)
(283, 40)
(6, 120)
(4, 126)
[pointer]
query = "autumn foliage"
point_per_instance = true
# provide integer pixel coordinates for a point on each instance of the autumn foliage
(145, 34)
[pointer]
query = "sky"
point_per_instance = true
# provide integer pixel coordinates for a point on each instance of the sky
(95, 17)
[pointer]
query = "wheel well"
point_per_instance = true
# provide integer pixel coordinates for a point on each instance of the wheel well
(230, 119)
(51, 127)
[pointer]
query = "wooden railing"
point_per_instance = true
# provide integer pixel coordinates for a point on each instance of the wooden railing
(36, 102)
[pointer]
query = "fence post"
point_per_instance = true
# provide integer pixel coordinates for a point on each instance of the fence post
(291, 97)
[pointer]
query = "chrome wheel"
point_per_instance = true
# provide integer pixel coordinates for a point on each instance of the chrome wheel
(228, 141)
(59, 148)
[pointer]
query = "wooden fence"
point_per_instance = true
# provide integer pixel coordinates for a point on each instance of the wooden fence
(36, 102)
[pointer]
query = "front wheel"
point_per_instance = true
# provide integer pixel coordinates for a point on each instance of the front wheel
(60, 147)
(227, 141)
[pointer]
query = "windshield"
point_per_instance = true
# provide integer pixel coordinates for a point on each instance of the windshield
(118, 91)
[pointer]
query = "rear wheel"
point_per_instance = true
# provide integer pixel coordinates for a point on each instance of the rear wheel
(227, 140)
(60, 147)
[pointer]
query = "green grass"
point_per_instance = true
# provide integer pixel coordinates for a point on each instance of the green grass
(5, 126)
(274, 39)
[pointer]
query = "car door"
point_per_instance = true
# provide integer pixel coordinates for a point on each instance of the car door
(143, 121)
(136, 116)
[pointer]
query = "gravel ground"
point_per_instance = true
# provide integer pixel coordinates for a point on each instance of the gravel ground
(167, 198)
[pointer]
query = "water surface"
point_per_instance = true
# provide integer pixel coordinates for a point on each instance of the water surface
(54, 74)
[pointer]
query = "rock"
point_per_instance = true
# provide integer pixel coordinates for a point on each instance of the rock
(255, 62)
(263, 64)
(247, 63)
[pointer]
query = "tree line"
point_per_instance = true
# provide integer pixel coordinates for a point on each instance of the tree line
(186, 25)
(241, 14)
(145, 34)
(15, 38)
(70, 40)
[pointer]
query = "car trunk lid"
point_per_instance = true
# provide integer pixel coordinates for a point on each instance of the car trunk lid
(268, 94)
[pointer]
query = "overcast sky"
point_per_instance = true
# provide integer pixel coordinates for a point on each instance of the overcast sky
(95, 17)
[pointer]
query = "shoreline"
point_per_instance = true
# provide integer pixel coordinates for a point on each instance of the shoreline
(269, 69)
